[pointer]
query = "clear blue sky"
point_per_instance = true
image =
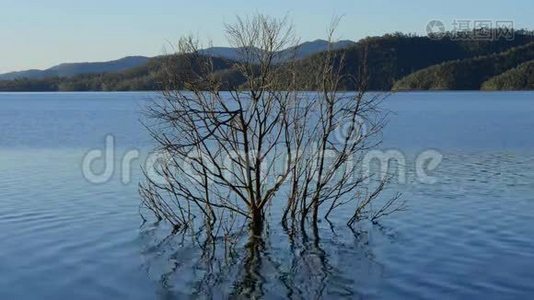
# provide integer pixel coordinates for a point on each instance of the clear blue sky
(42, 33)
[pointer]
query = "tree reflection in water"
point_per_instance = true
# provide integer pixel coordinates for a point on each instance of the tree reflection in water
(288, 263)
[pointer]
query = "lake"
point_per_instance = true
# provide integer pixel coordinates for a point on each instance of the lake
(468, 235)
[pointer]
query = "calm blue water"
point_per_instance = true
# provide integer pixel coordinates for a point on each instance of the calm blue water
(470, 235)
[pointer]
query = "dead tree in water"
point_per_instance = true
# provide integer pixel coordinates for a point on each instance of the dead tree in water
(231, 153)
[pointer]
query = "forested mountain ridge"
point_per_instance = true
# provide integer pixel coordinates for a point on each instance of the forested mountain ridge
(518, 78)
(394, 61)
(143, 78)
(466, 74)
(72, 69)
(394, 56)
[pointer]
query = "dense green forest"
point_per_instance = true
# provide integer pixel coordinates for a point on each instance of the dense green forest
(394, 56)
(519, 78)
(394, 61)
(466, 74)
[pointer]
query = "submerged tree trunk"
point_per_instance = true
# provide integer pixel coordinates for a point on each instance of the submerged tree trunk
(257, 222)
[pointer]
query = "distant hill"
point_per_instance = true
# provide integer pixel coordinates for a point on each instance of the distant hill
(148, 76)
(406, 61)
(310, 48)
(301, 51)
(518, 78)
(394, 56)
(466, 74)
(73, 69)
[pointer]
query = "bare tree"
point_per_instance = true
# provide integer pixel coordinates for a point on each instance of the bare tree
(230, 154)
